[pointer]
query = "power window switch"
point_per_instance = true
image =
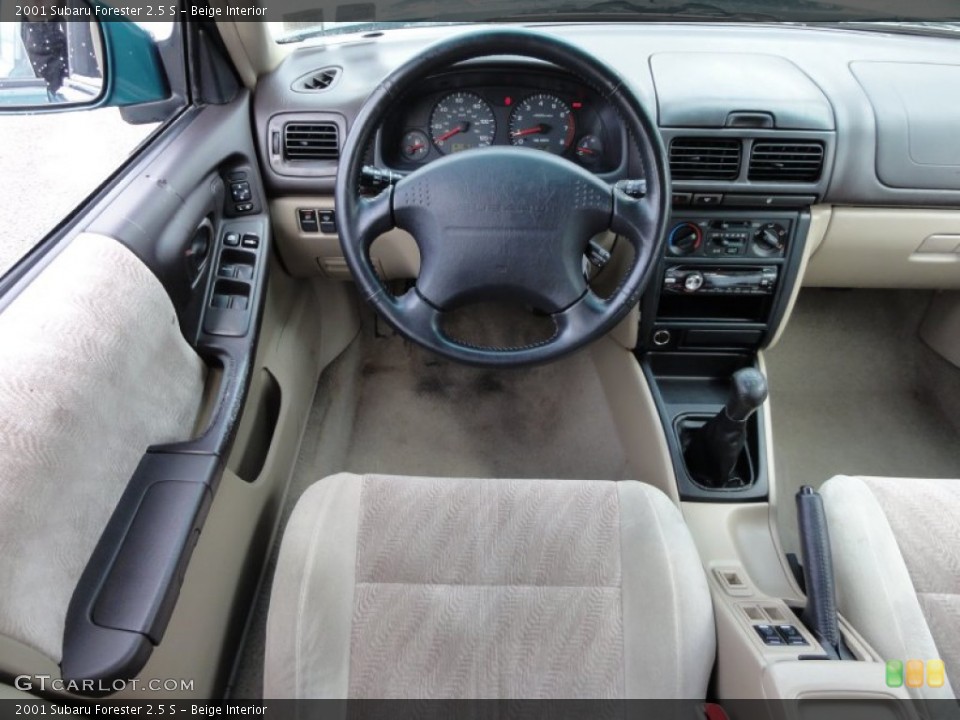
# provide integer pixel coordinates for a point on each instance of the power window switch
(227, 271)
(791, 635)
(769, 634)
(251, 241)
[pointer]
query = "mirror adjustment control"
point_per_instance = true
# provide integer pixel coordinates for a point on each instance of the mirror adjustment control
(240, 191)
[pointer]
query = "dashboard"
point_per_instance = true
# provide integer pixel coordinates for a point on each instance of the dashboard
(469, 110)
(844, 139)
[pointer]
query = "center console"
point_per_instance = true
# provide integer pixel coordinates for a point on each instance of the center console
(724, 281)
(721, 289)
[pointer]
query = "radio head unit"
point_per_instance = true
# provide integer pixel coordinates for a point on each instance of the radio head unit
(729, 280)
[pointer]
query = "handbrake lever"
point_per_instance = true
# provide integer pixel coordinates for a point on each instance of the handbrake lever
(820, 614)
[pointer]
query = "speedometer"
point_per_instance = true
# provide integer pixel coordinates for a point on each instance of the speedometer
(462, 121)
(544, 122)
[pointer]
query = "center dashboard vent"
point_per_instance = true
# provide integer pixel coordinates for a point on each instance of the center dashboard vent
(791, 161)
(705, 159)
(311, 141)
(317, 81)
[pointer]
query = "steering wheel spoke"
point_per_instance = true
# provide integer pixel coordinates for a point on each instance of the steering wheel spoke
(373, 216)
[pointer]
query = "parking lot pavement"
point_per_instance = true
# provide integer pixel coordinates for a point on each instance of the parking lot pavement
(49, 164)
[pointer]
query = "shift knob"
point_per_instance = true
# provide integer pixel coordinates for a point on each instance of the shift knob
(748, 390)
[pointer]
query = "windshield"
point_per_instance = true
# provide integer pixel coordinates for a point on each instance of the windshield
(935, 17)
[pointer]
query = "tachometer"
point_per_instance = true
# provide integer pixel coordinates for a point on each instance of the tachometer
(462, 121)
(544, 122)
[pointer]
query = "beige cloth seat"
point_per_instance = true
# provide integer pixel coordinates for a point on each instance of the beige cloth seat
(896, 554)
(392, 587)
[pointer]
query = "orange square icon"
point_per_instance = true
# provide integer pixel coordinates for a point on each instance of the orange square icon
(914, 673)
(935, 673)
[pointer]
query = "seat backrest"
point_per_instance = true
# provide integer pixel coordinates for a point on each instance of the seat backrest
(393, 587)
(896, 552)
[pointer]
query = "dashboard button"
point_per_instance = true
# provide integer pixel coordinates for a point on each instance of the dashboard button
(681, 198)
(707, 199)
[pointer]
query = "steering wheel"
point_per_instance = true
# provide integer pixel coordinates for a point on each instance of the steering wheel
(504, 223)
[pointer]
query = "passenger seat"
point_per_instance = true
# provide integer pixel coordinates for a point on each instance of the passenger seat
(896, 556)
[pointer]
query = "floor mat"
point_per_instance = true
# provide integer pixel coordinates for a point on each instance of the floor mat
(849, 396)
(386, 406)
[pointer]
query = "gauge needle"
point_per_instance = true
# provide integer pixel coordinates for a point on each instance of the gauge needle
(462, 127)
(529, 131)
(413, 148)
(586, 151)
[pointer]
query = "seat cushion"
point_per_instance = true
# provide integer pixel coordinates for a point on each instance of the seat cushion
(392, 587)
(896, 553)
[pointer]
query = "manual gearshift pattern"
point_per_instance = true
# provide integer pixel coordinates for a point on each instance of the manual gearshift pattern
(714, 449)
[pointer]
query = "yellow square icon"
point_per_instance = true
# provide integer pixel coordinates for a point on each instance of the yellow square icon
(914, 673)
(936, 673)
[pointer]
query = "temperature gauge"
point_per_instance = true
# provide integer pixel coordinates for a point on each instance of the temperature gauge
(589, 149)
(415, 146)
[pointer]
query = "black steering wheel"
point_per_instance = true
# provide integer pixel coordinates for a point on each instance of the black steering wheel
(504, 223)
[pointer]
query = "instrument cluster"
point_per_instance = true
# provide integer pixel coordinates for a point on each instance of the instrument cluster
(474, 109)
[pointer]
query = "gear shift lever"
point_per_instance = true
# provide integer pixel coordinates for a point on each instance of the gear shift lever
(714, 449)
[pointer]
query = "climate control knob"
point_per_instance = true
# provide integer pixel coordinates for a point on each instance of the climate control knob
(770, 239)
(685, 239)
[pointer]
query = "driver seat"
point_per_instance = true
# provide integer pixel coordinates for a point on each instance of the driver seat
(407, 587)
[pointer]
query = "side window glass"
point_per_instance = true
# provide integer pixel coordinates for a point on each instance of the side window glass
(49, 163)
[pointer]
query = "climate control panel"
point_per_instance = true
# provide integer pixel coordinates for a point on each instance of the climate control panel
(728, 238)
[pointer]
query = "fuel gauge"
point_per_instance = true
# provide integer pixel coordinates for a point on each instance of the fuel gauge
(415, 146)
(589, 150)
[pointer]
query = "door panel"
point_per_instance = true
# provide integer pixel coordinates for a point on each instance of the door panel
(119, 500)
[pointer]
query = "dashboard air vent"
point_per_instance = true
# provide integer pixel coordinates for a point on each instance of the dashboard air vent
(792, 161)
(318, 80)
(311, 141)
(705, 159)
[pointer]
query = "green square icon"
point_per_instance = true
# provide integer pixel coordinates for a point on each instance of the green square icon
(894, 673)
